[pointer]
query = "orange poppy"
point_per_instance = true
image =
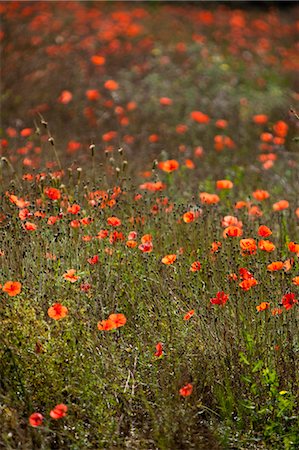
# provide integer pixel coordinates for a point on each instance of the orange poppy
(57, 311)
(59, 411)
(264, 231)
(114, 321)
(293, 247)
(276, 265)
(169, 259)
(186, 390)
(248, 246)
(12, 288)
(165, 101)
(232, 231)
(260, 195)
(168, 166)
(70, 275)
(281, 205)
(189, 314)
(215, 246)
(263, 306)
(114, 221)
(209, 199)
(224, 184)
(280, 128)
(74, 209)
(266, 245)
(195, 266)
(52, 193)
(199, 117)
(98, 60)
(260, 119)
(189, 216)
(111, 85)
(248, 283)
(296, 281)
(65, 97)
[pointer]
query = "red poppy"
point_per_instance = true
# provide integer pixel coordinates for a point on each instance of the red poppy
(289, 300)
(186, 390)
(36, 419)
(195, 266)
(93, 260)
(12, 288)
(264, 231)
(59, 411)
(159, 350)
(199, 117)
(189, 314)
(168, 166)
(57, 311)
(263, 306)
(70, 275)
(220, 299)
(114, 321)
(114, 221)
(169, 259)
(224, 184)
(52, 193)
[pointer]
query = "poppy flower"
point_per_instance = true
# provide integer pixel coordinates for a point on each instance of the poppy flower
(165, 101)
(59, 411)
(276, 265)
(57, 311)
(189, 314)
(186, 390)
(65, 97)
(169, 259)
(36, 419)
(52, 193)
(260, 195)
(232, 231)
(12, 288)
(215, 246)
(114, 321)
(280, 128)
(111, 85)
(248, 246)
(74, 209)
(199, 117)
(248, 284)
(289, 300)
(159, 350)
(293, 247)
(92, 94)
(264, 231)
(266, 245)
(98, 60)
(224, 184)
(93, 260)
(245, 274)
(26, 132)
(70, 275)
(220, 299)
(114, 221)
(231, 221)
(209, 199)
(296, 281)
(29, 226)
(189, 217)
(195, 266)
(169, 166)
(260, 119)
(263, 306)
(281, 205)
(146, 247)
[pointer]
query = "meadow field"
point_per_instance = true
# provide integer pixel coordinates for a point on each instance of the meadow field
(149, 223)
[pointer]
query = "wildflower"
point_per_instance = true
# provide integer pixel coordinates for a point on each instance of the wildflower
(199, 117)
(248, 283)
(276, 311)
(189, 217)
(168, 166)
(266, 246)
(289, 300)
(169, 259)
(52, 193)
(12, 288)
(248, 246)
(276, 265)
(159, 350)
(57, 311)
(260, 119)
(74, 209)
(65, 97)
(245, 274)
(220, 299)
(224, 184)
(189, 314)
(36, 419)
(195, 266)
(114, 221)
(98, 60)
(296, 281)
(111, 85)
(186, 390)
(232, 231)
(93, 260)
(280, 128)
(209, 199)
(29, 226)
(59, 411)
(165, 101)
(146, 247)
(260, 195)
(264, 231)
(293, 247)
(70, 275)
(281, 205)
(263, 306)
(114, 321)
